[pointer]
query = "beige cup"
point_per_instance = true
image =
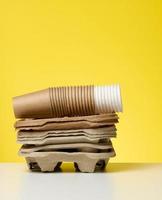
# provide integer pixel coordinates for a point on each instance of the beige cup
(33, 105)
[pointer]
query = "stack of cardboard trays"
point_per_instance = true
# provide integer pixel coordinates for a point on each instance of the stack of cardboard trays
(83, 140)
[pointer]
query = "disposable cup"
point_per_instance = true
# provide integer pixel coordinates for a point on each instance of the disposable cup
(33, 105)
(107, 99)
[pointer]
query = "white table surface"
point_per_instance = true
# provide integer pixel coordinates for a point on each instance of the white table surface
(119, 181)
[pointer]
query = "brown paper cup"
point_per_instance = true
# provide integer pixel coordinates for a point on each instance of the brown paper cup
(68, 101)
(33, 105)
(55, 102)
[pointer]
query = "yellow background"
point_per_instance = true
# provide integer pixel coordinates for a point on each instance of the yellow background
(50, 43)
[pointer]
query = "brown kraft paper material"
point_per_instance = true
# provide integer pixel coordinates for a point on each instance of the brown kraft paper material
(94, 121)
(56, 102)
(78, 146)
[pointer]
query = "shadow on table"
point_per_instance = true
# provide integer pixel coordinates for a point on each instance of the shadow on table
(111, 168)
(121, 167)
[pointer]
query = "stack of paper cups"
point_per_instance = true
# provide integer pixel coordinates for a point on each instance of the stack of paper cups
(68, 101)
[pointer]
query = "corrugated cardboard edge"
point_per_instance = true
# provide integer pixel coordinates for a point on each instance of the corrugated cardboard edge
(33, 148)
(62, 140)
(102, 118)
